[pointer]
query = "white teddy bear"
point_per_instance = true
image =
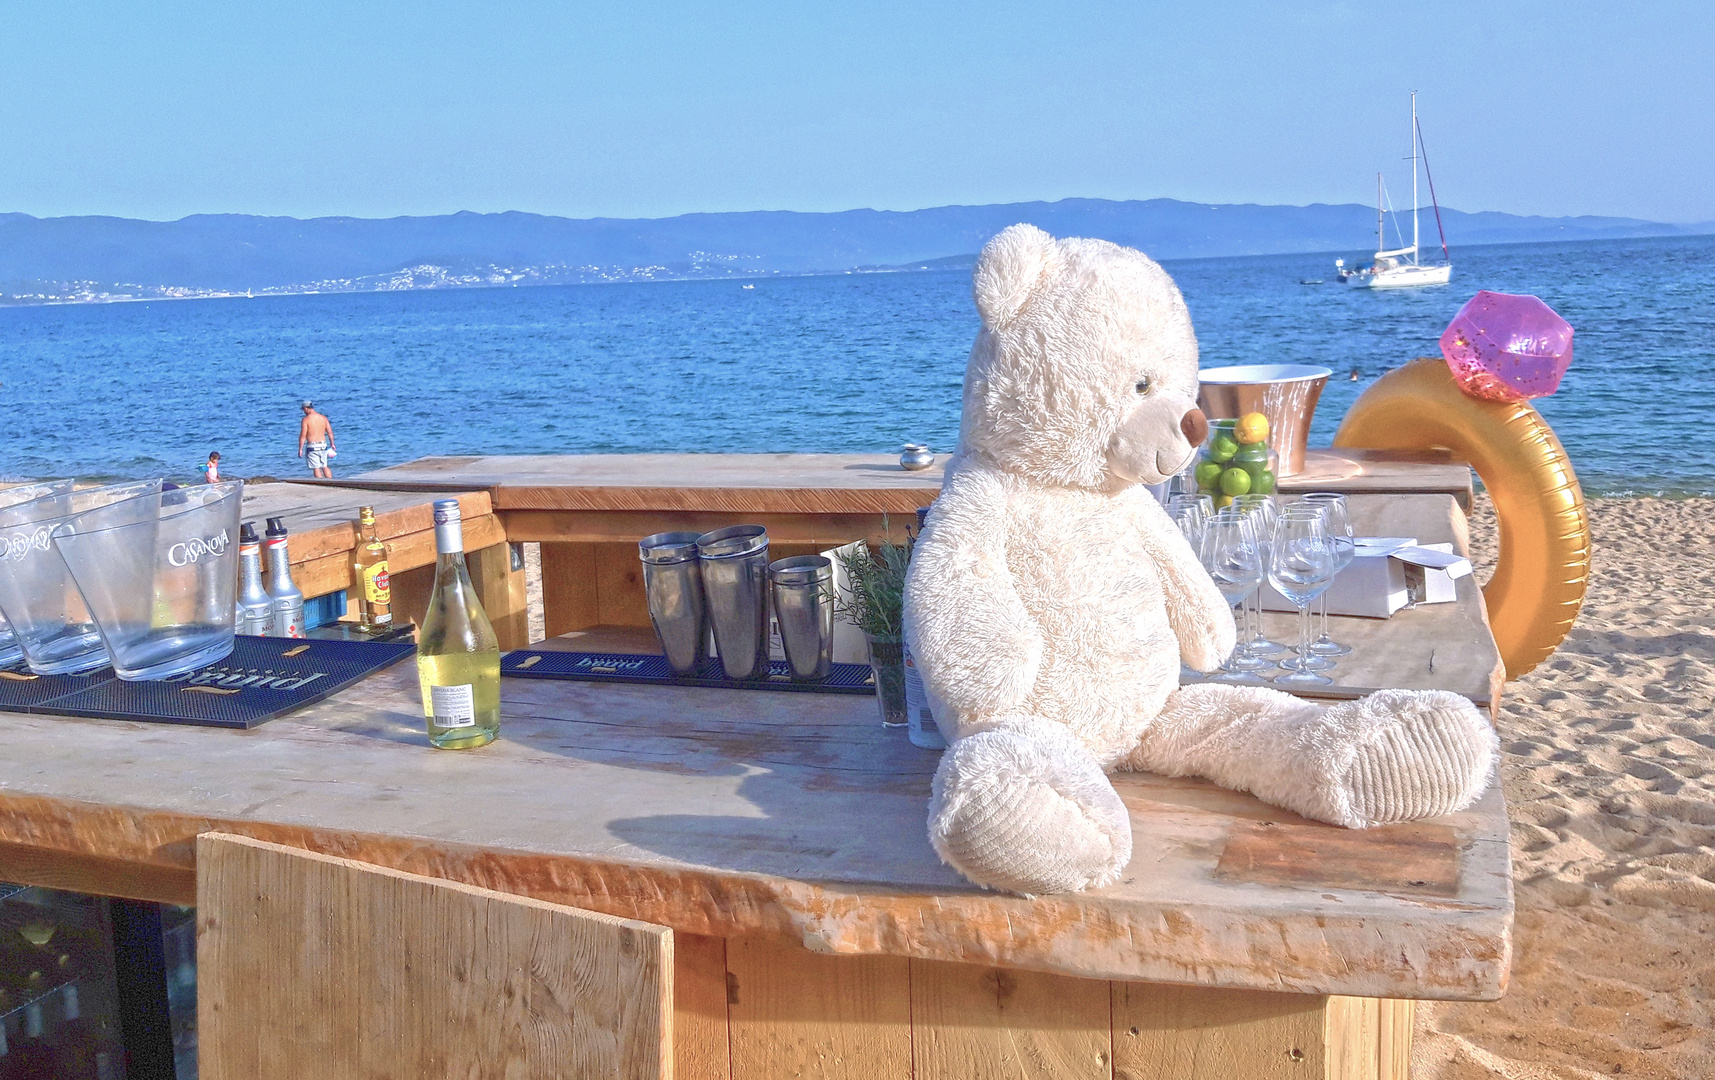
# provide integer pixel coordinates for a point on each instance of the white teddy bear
(1050, 599)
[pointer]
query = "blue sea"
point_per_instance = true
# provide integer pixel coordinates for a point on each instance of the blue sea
(847, 363)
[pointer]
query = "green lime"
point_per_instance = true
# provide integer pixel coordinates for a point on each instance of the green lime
(1235, 481)
(1264, 483)
(1256, 453)
(1208, 474)
(1223, 448)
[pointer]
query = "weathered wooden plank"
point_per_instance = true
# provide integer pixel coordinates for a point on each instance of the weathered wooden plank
(797, 1013)
(569, 597)
(595, 526)
(502, 592)
(310, 965)
(1194, 1033)
(701, 1050)
(1382, 472)
(969, 1020)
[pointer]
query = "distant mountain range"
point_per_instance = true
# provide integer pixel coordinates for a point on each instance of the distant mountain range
(47, 260)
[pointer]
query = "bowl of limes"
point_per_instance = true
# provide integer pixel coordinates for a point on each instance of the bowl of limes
(1236, 460)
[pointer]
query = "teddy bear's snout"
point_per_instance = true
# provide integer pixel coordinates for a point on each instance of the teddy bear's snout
(1195, 426)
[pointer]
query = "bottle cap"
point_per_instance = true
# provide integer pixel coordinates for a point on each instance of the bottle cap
(247, 533)
(446, 510)
(276, 526)
(366, 514)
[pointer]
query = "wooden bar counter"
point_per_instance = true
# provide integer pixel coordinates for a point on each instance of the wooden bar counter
(781, 837)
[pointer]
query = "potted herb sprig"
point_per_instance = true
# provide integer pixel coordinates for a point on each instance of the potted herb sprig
(874, 601)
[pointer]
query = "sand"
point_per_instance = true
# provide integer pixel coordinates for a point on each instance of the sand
(1609, 771)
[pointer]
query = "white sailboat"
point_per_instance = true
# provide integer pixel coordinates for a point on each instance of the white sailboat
(1401, 268)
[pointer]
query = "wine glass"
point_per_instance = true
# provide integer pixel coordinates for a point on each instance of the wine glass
(1263, 510)
(1301, 565)
(1191, 513)
(1233, 557)
(1340, 532)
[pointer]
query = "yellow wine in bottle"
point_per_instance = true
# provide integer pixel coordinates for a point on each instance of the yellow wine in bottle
(369, 576)
(458, 656)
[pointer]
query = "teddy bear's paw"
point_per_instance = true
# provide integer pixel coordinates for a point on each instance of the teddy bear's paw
(1028, 810)
(1419, 753)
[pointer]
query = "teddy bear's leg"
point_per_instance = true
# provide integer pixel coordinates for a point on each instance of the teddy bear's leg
(1025, 807)
(1396, 755)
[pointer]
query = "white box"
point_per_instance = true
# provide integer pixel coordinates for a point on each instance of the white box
(1386, 574)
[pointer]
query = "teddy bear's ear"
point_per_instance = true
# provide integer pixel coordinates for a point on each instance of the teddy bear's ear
(1008, 269)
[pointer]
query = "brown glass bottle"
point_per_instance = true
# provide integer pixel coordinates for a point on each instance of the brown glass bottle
(369, 575)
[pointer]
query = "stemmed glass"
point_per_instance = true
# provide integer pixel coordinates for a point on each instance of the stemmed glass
(1233, 557)
(1340, 532)
(1301, 565)
(1262, 510)
(1191, 513)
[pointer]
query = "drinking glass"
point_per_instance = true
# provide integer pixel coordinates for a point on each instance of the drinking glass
(1263, 510)
(10, 651)
(1191, 513)
(1340, 532)
(159, 575)
(1301, 565)
(54, 626)
(1233, 557)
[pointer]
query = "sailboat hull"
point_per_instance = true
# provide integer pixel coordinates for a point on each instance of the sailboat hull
(1402, 277)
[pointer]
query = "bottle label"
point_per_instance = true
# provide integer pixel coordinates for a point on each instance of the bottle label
(375, 584)
(452, 706)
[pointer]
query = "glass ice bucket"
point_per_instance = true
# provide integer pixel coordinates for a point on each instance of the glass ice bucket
(10, 651)
(47, 613)
(159, 574)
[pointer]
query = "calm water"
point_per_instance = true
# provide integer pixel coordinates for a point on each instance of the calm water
(845, 363)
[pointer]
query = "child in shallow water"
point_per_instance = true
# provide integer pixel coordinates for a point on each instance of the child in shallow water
(211, 468)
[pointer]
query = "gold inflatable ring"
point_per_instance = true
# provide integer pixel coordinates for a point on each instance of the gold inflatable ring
(1544, 566)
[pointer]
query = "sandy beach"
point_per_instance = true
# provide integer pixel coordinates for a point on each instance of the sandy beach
(1609, 770)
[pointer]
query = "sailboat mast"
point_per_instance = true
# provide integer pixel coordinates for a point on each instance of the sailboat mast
(1381, 244)
(1414, 176)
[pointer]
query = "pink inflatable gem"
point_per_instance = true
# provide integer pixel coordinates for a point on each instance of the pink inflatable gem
(1502, 347)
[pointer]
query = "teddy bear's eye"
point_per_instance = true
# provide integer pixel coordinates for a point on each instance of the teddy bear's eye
(1143, 385)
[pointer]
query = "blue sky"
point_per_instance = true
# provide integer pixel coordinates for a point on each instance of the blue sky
(649, 109)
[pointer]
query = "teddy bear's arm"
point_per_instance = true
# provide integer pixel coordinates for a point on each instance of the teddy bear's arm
(976, 646)
(1200, 616)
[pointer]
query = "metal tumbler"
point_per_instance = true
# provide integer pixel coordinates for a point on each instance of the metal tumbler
(735, 586)
(673, 584)
(803, 589)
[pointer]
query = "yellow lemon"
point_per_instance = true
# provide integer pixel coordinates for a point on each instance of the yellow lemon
(1251, 428)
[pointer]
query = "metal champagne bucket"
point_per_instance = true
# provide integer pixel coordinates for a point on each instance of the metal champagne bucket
(673, 584)
(1285, 393)
(804, 607)
(735, 583)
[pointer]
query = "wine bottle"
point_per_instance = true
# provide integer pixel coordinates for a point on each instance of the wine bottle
(369, 576)
(458, 656)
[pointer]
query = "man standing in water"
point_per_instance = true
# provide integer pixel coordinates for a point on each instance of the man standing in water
(315, 441)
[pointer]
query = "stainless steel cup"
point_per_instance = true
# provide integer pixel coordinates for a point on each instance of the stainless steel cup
(735, 587)
(673, 584)
(803, 589)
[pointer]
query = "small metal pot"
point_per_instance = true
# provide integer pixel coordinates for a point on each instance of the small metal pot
(915, 456)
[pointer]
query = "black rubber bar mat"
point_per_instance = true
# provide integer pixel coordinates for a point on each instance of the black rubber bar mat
(653, 669)
(264, 677)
